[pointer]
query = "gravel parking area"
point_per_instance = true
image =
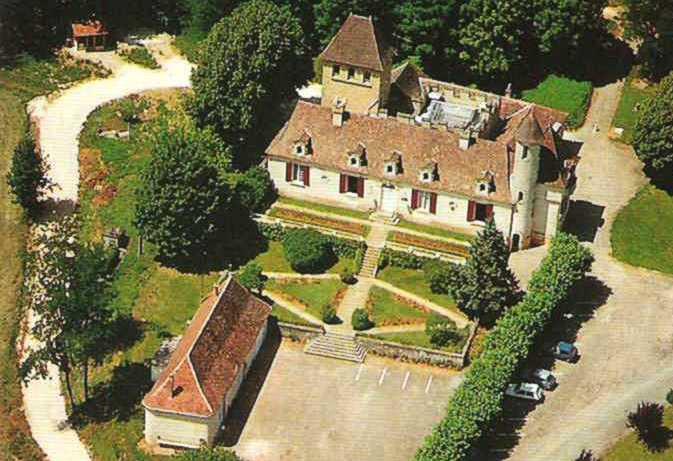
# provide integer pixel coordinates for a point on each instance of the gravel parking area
(313, 408)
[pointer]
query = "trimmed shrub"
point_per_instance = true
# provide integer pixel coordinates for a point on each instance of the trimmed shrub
(441, 330)
(251, 277)
(307, 251)
(402, 259)
(477, 402)
(347, 274)
(329, 315)
(360, 320)
(440, 275)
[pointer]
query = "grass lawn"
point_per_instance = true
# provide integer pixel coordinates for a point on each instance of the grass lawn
(626, 114)
(286, 316)
(325, 208)
(312, 294)
(413, 281)
(140, 56)
(641, 234)
(420, 339)
(563, 94)
(630, 449)
(29, 78)
(438, 231)
(273, 260)
(386, 309)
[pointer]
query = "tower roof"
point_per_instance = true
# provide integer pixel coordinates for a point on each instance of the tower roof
(529, 132)
(358, 43)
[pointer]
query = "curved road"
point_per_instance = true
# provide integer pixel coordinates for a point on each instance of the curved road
(627, 343)
(60, 122)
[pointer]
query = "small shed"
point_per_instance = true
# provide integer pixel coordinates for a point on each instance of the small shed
(90, 36)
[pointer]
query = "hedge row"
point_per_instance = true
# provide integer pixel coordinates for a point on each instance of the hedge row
(477, 403)
(342, 247)
(402, 259)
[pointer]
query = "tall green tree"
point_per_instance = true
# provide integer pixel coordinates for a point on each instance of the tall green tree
(653, 133)
(184, 200)
(485, 287)
(27, 176)
(651, 23)
(251, 61)
(203, 14)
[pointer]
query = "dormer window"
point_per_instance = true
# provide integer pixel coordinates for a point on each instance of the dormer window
(390, 168)
(367, 77)
(303, 146)
(358, 158)
(429, 173)
(351, 73)
(393, 164)
(486, 184)
(354, 160)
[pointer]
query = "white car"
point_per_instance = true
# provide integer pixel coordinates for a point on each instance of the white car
(528, 391)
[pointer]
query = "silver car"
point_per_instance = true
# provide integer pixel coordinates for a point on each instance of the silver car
(527, 391)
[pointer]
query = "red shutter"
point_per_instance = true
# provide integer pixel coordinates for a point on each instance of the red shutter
(361, 187)
(471, 211)
(489, 212)
(343, 183)
(414, 199)
(307, 179)
(433, 203)
(288, 172)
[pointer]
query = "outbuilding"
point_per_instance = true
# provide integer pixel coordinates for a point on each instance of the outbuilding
(90, 36)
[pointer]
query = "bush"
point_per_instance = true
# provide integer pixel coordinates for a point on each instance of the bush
(586, 455)
(273, 232)
(669, 397)
(402, 259)
(208, 454)
(140, 56)
(441, 330)
(440, 275)
(27, 176)
(360, 320)
(347, 274)
(329, 315)
(255, 190)
(477, 402)
(252, 278)
(307, 251)
(647, 421)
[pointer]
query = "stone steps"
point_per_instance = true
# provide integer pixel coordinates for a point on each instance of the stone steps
(337, 346)
(370, 262)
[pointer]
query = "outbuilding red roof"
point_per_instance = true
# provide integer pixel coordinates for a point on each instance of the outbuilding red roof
(88, 29)
(211, 353)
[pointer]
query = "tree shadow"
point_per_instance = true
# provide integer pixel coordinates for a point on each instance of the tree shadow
(584, 219)
(587, 296)
(117, 398)
(661, 179)
(252, 385)
(659, 440)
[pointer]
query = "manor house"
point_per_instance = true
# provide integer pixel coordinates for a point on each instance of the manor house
(401, 145)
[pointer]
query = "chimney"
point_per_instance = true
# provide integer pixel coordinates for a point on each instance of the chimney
(466, 139)
(338, 112)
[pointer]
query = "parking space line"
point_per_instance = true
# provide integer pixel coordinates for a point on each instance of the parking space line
(406, 380)
(427, 386)
(383, 375)
(357, 376)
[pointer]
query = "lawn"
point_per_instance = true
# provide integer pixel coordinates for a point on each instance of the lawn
(420, 339)
(414, 282)
(563, 94)
(273, 260)
(641, 235)
(626, 114)
(325, 208)
(386, 309)
(630, 449)
(437, 231)
(286, 316)
(29, 78)
(313, 294)
(140, 56)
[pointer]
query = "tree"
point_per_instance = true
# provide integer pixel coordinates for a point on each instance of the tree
(653, 132)
(184, 200)
(252, 278)
(68, 289)
(251, 61)
(441, 330)
(255, 190)
(440, 275)
(27, 176)
(208, 454)
(202, 14)
(651, 23)
(647, 420)
(485, 286)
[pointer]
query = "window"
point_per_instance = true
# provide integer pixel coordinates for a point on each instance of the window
(479, 211)
(336, 70)
(354, 161)
(352, 185)
(367, 78)
(520, 196)
(390, 168)
(426, 201)
(351, 73)
(425, 176)
(299, 149)
(524, 153)
(297, 174)
(482, 187)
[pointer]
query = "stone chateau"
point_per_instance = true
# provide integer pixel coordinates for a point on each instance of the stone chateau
(401, 145)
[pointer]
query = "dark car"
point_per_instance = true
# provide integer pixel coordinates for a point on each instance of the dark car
(566, 351)
(543, 377)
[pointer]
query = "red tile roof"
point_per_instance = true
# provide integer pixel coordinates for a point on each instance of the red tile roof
(211, 353)
(358, 44)
(89, 29)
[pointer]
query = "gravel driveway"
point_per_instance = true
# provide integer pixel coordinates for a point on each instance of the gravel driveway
(626, 335)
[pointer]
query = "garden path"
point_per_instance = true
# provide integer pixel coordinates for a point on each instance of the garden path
(59, 121)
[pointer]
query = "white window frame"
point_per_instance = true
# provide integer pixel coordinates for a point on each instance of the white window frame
(298, 175)
(424, 201)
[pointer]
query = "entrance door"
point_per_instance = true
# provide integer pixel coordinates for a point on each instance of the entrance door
(388, 199)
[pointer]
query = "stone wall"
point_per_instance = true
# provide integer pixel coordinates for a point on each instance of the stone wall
(299, 333)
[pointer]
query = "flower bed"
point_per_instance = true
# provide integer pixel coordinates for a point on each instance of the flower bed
(320, 221)
(430, 244)
(388, 309)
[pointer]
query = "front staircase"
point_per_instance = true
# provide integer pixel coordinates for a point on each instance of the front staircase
(337, 346)
(370, 263)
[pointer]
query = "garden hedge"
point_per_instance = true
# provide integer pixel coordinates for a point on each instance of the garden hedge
(402, 259)
(308, 251)
(477, 403)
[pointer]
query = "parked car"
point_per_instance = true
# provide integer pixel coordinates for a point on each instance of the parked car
(565, 351)
(527, 391)
(543, 377)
